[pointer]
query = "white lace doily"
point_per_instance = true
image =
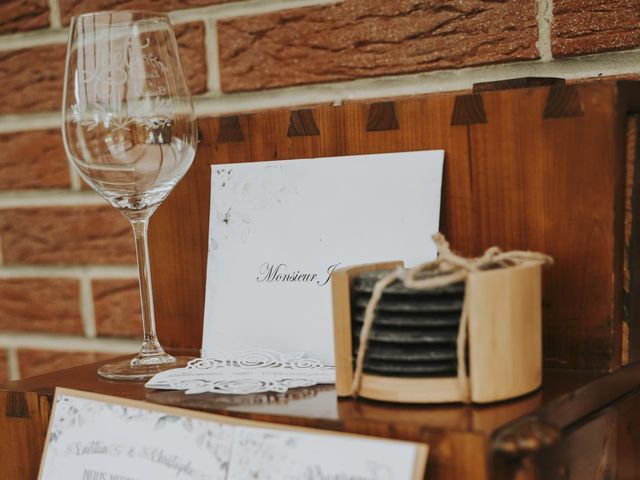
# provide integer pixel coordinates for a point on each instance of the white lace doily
(245, 372)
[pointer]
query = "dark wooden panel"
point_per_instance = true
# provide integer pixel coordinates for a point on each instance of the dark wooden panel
(590, 433)
(513, 83)
(588, 452)
(521, 172)
(550, 185)
(627, 460)
(178, 252)
(22, 435)
(598, 434)
(631, 286)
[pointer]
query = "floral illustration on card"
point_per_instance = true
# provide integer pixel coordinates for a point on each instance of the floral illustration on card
(235, 212)
(73, 414)
(96, 439)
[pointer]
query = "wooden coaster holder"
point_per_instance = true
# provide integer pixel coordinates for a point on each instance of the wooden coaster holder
(504, 339)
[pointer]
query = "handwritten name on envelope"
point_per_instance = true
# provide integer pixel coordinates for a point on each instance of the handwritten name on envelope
(97, 437)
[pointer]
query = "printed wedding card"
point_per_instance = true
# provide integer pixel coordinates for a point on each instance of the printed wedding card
(279, 229)
(95, 437)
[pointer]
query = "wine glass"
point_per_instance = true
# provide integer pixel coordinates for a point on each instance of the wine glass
(129, 130)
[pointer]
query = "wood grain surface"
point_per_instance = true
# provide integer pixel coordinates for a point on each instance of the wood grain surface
(459, 436)
(466, 442)
(539, 169)
(591, 433)
(505, 332)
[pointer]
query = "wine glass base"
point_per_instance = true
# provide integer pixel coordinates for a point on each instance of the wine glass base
(129, 370)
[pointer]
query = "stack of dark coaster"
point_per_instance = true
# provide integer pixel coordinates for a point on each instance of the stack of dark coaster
(414, 332)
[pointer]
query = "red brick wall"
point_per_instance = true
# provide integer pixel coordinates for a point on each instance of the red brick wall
(68, 291)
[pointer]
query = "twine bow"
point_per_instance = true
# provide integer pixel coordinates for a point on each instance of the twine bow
(452, 269)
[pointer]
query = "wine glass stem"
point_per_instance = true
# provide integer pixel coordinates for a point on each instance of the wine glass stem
(151, 345)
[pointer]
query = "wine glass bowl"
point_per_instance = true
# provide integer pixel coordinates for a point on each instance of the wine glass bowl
(129, 131)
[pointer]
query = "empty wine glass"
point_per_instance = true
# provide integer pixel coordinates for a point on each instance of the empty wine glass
(129, 130)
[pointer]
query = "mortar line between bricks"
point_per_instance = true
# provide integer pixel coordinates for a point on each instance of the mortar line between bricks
(46, 341)
(49, 198)
(572, 68)
(97, 272)
(13, 366)
(588, 66)
(35, 38)
(55, 19)
(242, 9)
(545, 17)
(74, 179)
(211, 52)
(15, 122)
(86, 306)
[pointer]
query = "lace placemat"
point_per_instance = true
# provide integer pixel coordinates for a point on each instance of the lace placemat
(246, 372)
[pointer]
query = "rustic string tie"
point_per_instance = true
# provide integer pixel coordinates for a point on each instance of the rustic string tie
(450, 268)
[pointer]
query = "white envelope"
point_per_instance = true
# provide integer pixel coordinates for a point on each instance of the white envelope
(278, 229)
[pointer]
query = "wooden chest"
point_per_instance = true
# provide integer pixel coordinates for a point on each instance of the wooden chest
(548, 169)
(541, 166)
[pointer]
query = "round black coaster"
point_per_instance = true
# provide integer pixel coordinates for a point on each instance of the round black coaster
(412, 304)
(409, 353)
(411, 336)
(395, 319)
(364, 283)
(414, 333)
(402, 369)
